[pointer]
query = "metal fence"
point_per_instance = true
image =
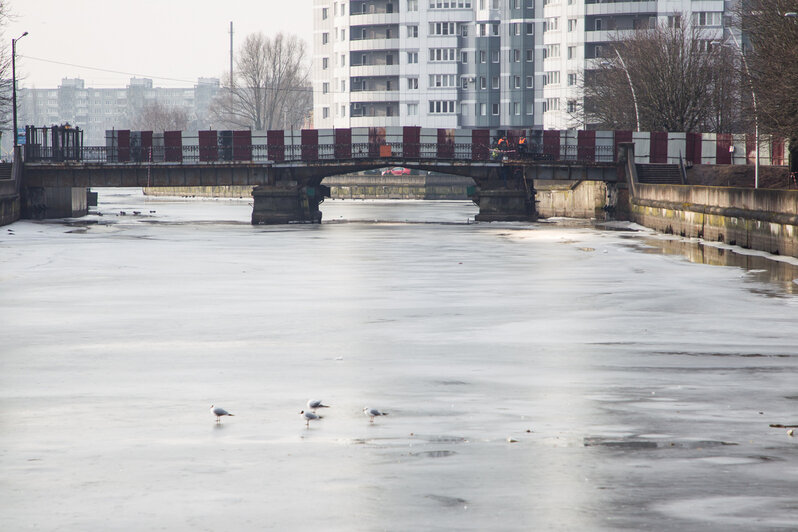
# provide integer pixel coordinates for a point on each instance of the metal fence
(266, 153)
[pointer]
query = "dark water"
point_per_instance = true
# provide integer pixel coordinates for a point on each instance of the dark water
(537, 377)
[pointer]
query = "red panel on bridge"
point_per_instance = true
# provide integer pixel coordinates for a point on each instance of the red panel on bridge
(208, 146)
(310, 144)
(242, 145)
(376, 139)
(659, 147)
(411, 141)
(276, 145)
(343, 143)
(777, 152)
(586, 145)
(722, 143)
(551, 143)
(146, 146)
(480, 144)
(446, 143)
(123, 145)
(173, 146)
(693, 148)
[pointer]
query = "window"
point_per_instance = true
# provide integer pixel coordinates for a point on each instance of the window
(325, 112)
(482, 31)
(343, 34)
(707, 18)
(551, 51)
(464, 30)
(343, 85)
(463, 82)
(598, 24)
(494, 109)
(530, 56)
(325, 63)
(552, 78)
(483, 55)
(571, 79)
(494, 56)
(516, 108)
(412, 83)
(483, 83)
(572, 52)
(530, 28)
(483, 109)
(325, 87)
(442, 54)
(412, 31)
(324, 13)
(494, 82)
(516, 56)
(412, 109)
(442, 80)
(343, 60)
(551, 104)
(515, 28)
(442, 28)
(530, 108)
(412, 57)
(494, 29)
(516, 82)
(571, 106)
(343, 110)
(552, 24)
(464, 57)
(325, 38)
(412, 5)
(530, 82)
(441, 106)
(571, 24)
(674, 21)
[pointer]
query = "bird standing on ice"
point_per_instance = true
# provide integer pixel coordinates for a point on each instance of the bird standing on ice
(313, 404)
(309, 416)
(372, 413)
(219, 412)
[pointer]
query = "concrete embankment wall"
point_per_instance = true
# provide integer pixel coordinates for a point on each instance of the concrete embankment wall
(9, 202)
(762, 219)
(201, 192)
(580, 199)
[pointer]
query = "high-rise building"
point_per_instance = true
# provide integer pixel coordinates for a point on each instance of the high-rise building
(96, 110)
(429, 63)
(474, 63)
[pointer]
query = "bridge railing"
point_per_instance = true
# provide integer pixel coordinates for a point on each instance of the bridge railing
(270, 153)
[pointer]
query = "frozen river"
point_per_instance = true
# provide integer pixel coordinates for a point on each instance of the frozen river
(537, 377)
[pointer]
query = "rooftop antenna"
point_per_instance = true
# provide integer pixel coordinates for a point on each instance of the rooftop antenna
(231, 54)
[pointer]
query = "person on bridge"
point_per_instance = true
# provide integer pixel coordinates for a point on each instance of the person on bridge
(502, 144)
(522, 146)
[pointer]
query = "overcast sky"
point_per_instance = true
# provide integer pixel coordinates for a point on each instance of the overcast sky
(172, 41)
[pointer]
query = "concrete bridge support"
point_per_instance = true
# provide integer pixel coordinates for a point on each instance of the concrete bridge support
(281, 205)
(40, 203)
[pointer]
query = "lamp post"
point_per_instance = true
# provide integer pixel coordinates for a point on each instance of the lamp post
(14, 83)
(632, 87)
(756, 113)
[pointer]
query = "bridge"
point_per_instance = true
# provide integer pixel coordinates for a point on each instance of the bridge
(286, 168)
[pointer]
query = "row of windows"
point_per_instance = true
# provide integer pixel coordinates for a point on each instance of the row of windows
(449, 54)
(450, 107)
(451, 81)
(445, 28)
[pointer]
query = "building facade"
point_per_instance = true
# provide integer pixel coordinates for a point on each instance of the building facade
(96, 110)
(474, 63)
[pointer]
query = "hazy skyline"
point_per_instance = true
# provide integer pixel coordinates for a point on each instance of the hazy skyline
(171, 41)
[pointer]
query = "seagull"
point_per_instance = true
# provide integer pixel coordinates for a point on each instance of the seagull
(372, 412)
(313, 404)
(308, 417)
(219, 412)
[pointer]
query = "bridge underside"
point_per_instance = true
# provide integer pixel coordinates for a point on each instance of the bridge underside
(292, 191)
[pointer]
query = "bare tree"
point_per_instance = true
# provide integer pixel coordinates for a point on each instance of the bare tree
(271, 87)
(5, 70)
(771, 28)
(155, 116)
(682, 81)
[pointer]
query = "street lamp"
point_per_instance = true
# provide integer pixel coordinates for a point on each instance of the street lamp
(14, 83)
(631, 86)
(756, 113)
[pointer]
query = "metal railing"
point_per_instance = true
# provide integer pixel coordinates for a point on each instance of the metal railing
(271, 153)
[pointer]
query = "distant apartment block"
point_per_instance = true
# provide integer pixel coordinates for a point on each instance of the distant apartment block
(96, 110)
(473, 63)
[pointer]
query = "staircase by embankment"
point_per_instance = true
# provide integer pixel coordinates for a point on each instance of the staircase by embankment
(659, 174)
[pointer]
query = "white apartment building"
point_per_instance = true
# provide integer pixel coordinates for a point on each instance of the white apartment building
(578, 32)
(428, 63)
(472, 63)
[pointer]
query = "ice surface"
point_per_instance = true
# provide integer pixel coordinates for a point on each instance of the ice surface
(639, 385)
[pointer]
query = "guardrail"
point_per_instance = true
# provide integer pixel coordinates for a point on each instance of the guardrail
(309, 153)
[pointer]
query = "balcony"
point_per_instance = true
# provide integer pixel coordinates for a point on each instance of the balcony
(373, 44)
(374, 19)
(365, 96)
(620, 8)
(373, 70)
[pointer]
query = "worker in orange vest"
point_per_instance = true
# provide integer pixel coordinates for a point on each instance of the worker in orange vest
(502, 144)
(522, 145)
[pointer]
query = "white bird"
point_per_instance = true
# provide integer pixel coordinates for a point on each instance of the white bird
(219, 412)
(308, 417)
(372, 412)
(313, 404)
